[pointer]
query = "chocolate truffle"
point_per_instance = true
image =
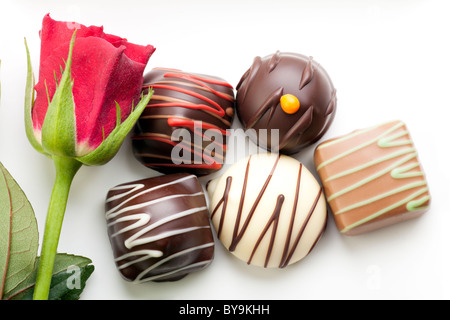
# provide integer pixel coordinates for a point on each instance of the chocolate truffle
(159, 228)
(372, 178)
(268, 210)
(183, 128)
(287, 92)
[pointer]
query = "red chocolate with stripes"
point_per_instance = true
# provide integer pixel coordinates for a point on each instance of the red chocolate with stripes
(195, 106)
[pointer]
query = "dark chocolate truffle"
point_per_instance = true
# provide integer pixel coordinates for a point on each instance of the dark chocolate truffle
(159, 228)
(183, 128)
(288, 92)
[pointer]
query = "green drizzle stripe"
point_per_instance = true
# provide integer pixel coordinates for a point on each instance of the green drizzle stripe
(372, 177)
(361, 146)
(371, 163)
(402, 172)
(415, 204)
(381, 196)
(389, 141)
(391, 207)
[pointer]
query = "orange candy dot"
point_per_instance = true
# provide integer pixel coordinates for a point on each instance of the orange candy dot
(289, 103)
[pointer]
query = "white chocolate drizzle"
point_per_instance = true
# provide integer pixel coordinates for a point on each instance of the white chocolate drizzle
(141, 229)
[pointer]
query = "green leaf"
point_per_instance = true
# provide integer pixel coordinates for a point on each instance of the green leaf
(18, 234)
(70, 274)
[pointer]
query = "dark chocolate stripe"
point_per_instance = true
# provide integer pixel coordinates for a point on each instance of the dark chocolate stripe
(305, 223)
(273, 220)
(274, 61)
(307, 75)
(236, 239)
(283, 261)
(242, 80)
(241, 204)
(299, 127)
(251, 75)
(223, 201)
(271, 103)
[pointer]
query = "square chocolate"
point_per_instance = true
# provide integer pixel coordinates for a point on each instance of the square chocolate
(159, 228)
(372, 178)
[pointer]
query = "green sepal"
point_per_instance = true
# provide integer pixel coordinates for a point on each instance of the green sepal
(111, 145)
(59, 127)
(29, 102)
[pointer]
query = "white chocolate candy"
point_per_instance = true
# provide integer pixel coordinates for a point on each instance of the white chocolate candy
(268, 210)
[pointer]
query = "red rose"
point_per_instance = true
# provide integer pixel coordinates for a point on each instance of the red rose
(106, 70)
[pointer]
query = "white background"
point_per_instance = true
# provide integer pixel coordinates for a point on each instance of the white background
(388, 60)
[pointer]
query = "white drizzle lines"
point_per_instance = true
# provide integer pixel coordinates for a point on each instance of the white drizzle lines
(144, 231)
(112, 214)
(134, 187)
(139, 278)
(135, 240)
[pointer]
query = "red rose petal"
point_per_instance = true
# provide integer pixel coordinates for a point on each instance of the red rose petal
(105, 68)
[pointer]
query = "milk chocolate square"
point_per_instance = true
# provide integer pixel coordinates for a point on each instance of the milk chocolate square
(372, 178)
(159, 228)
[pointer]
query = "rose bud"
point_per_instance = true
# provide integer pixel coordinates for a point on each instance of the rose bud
(86, 101)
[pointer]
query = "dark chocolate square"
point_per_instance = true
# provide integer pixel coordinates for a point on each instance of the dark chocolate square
(159, 228)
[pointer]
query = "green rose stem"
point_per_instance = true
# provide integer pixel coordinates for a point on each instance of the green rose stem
(66, 168)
